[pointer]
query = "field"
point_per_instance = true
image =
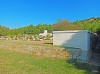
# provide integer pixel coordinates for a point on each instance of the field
(16, 58)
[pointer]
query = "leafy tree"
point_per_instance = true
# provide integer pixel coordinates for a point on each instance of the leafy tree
(4, 30)
(91, 24)
(61, 25)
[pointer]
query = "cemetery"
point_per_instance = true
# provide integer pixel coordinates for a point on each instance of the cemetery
(50, 37)
(81, 45)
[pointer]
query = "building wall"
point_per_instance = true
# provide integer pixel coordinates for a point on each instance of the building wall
(76, 39)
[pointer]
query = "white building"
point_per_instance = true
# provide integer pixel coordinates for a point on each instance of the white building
(44, 34)
(76, 39)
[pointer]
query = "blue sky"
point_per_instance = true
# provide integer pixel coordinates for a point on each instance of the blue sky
(19, 13)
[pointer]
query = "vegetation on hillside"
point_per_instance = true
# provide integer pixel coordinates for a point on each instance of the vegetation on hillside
(91, 24)
(4, 31)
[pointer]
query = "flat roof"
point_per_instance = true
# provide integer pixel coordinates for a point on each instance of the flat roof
(71, 31)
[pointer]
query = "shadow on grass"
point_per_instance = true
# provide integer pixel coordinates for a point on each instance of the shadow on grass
(81, 66)
(49, 43)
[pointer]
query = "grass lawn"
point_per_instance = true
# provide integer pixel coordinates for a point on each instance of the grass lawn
(15, 62)
(12, 62)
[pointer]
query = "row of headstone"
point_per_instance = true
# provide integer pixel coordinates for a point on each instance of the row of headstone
(27, 38)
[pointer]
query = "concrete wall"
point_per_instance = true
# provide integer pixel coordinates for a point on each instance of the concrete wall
(76, 39)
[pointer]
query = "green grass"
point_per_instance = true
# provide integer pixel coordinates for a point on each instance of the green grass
(12, 62)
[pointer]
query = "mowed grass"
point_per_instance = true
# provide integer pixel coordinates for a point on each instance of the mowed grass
(13, 62)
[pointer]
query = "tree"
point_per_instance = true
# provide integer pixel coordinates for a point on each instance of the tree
(61, 25)
(4, 30)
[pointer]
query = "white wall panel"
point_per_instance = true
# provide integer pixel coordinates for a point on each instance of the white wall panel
(76, 39)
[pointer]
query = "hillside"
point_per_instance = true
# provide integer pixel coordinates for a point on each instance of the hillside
(92, 24)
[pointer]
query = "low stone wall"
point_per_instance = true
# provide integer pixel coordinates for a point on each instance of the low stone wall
(53, 53)
(34, 48)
